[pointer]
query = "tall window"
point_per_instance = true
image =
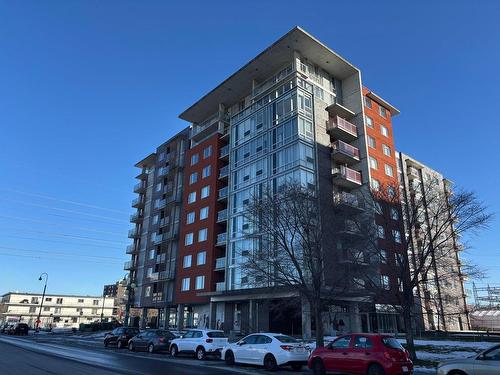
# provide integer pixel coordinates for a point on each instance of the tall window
(206, 171)
(195, 158)
(384, 131)
(188, 240)
(380, 231)
(200, 282)
(375, 184)
(193, 178)
(204, 213)
(368, 102)
(387, 150)
(187, 261)
(384, 282)
(396, 234)
(371, 142)
(185, 284)
(383, 256)
(202, 235)
(382, 111)
(207, 152)
(205, 191)
(190, 217)
(201, 258)
(192, 197)
(394, 214)
(388, 170)
(373, 163)
(369, 121)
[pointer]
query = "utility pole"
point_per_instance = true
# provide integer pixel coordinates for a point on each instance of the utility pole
(43, 297)
(102, 310)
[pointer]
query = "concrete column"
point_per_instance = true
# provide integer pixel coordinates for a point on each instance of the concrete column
(251, 316)
(306, 319)
(213, 315)
(166, 317)
(144, 318)
(355, 317)
(180, 316)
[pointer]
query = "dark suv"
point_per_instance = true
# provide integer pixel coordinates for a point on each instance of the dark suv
(120, 336)
(18, 329)
(152, 340)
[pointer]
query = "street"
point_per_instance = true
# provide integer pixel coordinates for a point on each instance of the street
(66, 354)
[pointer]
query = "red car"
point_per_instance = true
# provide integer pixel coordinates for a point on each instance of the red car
(363, 354)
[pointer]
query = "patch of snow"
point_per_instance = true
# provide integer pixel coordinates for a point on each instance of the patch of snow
(477, 346)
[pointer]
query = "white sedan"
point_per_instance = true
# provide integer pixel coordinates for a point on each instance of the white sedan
(201, 342)
(267, 349)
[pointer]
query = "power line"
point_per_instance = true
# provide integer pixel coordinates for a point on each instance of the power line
(63, 242)
(60, 253)
(59, 259)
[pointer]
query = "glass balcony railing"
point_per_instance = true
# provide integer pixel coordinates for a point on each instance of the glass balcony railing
(224, 172)
(134, 232)
(141, 186)
(220, 263)
(224, 151)
(222, 215)
(139, 201)
(221, 239)
(223, 192)
(220, 287)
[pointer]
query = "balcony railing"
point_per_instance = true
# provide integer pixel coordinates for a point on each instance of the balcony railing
(166, 275)
(341, 126)
(139, 187)
(222, 215)
(224, 172)
(345, 149)
(347, 174)
(412, 172)
(223, 192)
(163, 171)
(165, 221)
(221, 239)
(220, 287)
(129, 265)
(135, 217)
(348, 199)
(130, 249)
(220, 263)
(134, 233)
(158, 239)
(137, 202)
(224, 151)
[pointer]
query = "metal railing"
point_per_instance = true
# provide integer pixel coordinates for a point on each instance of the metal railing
(133, 232)
(139, 186)
(224, 151)
(349, 199)
(346, 149)
(220, 287)
(342, 124)
(348, 174)
(137, 201)
(224, 171)
(222, 215)
(223, 192)
(221, 238)
(220, 263)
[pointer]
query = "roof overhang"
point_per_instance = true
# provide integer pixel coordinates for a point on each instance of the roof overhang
(394, 111)
(148, 160)
(263, 66)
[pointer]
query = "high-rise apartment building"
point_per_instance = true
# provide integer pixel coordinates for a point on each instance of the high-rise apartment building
(296, 112)
(440, 295)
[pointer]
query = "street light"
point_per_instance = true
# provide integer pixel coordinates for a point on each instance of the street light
(43, 297)
(130, 288)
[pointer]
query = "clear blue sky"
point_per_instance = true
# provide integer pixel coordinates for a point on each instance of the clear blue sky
(87, 88)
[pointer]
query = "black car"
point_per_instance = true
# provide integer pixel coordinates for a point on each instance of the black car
(152, 340)
(120, 336)
(5, 327)
(18, 329)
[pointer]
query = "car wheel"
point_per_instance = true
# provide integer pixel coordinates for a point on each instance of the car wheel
(375, 370)
(229, 358)
(119, 344)
(174, 351)
(318, 368)
(457, 372)
(151, 348)
(200, 353)
(131, 346)
(296, 367)
(270, 363)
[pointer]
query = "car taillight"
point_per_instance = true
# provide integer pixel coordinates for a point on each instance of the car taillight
(388, 356)
(209, 341)
(161, 339)
(286, 347)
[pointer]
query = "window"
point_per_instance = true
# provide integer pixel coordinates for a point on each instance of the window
(94, 311)
(380, 231)
(394, 214)
(391, 191)
(79, 309)
(383, 256)
(378, 208)
(194, 159)
(147, 291)
(362, 342)
(185, 284)
(387, 150)
(206, 171)
(382, 111)
(205, 191)
(187, 261)
(202, 235)
(57, 310)
(396, 234)
(375, 184)
(207, 152)
(190, 217)
(384, 282)
(368, 102)
(384, 131)
(95, 302)
(192, 197)
(188, 240)
(371, 142)
(80, 301)
(59, 301)
(204, 213)
(32, 309)
(388, 170)
(45, 308)
(34, 299)
(152, 253)
(200, 282)
(341, 343)
(48, 299)
(369, 121)
(373, 163)
(155, 219)
(201, 258)
(193, 178)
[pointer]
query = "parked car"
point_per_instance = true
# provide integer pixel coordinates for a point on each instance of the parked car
(120, 336)
(270, 350)
(18, 329)
(201, 342)
(152, 340)
(484, 363)
(372, 354)
(5, 327)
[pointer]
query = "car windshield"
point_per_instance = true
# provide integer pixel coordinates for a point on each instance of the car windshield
(132, 331)
(286, 339)
(216, 334)
(392, 343)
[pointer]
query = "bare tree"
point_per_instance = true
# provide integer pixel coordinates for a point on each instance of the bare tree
(295, 253)
(425, 226)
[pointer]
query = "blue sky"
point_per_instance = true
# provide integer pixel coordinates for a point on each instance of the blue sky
(88, 88)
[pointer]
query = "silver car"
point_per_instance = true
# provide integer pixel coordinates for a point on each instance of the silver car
(484, 363)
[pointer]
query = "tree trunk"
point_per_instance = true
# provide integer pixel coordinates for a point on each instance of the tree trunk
(319, 325)
(408, 320)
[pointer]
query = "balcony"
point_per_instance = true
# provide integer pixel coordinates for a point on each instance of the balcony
(224, 172)
(348, 201)
(158, 239)
(161, 204)
(337, 109)
(129, 265)
(140, 187)
(224, 152)
(220, 264)
(223, 193)
(342, 129)
(138, 202)
(163, 171)
(143, 175)
(136, 217)
(166, 275)
(134, 233)
(350, 229)
(221, 239)
(222, 216)
(164, 222)
(344, 153)
(131, 249)
(220, 287)
(202, 130)
(158, 297)
(346, 177)
(413, 173)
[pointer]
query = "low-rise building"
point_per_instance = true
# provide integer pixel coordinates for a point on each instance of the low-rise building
(56, 311)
